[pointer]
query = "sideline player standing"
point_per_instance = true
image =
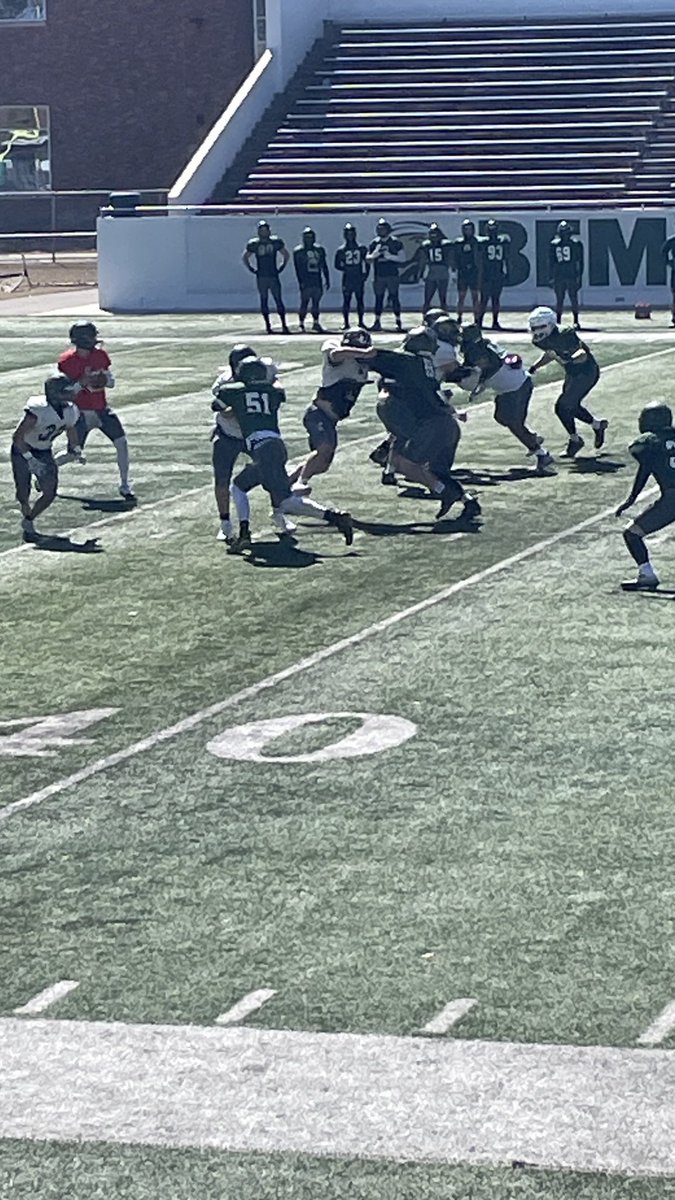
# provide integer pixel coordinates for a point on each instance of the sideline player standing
(265, 251)
(255, 403)
(350, 260)
(654, 451)
(311, 270)
(435, 256)
(45, 417)
(581, 374)
(467, 256)
(494, 269)
(668, 255)
(386, 253)
(89, 365)
(566, 268)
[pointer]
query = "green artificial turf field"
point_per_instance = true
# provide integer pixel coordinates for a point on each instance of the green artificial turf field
(510, 843)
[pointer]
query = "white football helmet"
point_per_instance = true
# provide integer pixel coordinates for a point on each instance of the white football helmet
(272, 368)
(541, 321)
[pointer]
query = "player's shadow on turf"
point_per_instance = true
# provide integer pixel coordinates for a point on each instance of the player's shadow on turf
(659, 594)
(494, 478)
(63, 545)
(93, 504)
(284, 554)
(596, 466)
(417, 528)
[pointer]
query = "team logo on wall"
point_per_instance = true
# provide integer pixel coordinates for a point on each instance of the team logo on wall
(412, 234)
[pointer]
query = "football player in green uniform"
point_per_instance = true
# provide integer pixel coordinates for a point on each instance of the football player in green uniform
(255, 401)
(266, 257)
(668, 256)
(654, 452)
(566, 268)
(494, 270)
(581, 374)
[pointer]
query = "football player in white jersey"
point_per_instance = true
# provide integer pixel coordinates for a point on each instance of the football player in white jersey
(344, 372)
(44, 418)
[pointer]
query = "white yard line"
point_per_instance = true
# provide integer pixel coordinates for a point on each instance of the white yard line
(449, 1016)
(244, 1007)
(46, 998)
(304, 664)
(659, 1029)
(454, 1100)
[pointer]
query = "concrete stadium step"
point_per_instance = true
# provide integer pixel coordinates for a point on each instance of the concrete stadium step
(459, 161)
(622, 60)
(466, 148)
(547, 117)
(431, 31)
(597, 44)
(643, 85)
(465, 130)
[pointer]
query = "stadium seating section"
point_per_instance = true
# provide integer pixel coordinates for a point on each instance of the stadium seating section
(511, 115)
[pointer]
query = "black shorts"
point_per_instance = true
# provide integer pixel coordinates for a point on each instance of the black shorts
(511, 407)
(267, 470)
(576, 387)
(434, 442)
(658, 515)
(464, 282)
(104, 419)
(321, 428)
(226, 451)
(22, 473)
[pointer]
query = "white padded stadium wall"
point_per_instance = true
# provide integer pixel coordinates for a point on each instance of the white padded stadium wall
(192, 263)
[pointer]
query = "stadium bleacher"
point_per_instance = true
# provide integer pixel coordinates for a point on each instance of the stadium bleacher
(508, 115)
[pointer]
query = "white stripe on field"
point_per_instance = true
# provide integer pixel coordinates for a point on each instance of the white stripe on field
(449, 1016)
(660, 1028)
(244, 1007)
(46, 998)
(312, 660)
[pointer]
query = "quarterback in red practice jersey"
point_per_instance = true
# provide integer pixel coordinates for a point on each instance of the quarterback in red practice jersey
(88, 364)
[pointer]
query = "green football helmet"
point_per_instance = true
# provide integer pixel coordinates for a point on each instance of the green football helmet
(433, 315)
(655, 416)
(447, 329)
(420, 341)
(253, 370)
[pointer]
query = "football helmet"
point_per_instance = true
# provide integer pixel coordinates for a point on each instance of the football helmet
(263, 230)
(447, 329)
(271, 368)
(360, 338)
(59, 390)
(349, 232)
(468, 228)
(383, 228)
(655, 416)
(420, 340)
(471, 334)
(237, 355)
(541, 322)
(492, 228)
(433, 315)
(435, 233)
(564, 229)
(252, 370)
(84, 335)
(308, 238)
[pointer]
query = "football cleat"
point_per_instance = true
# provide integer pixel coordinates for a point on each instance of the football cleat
(376, 326)
(127, 494)
(643, 583)
(471, 508)
(343, 522)
(600, 434)
(243, 541)
(317, 327)
(28, 530)
(447, 497)
(574, 445)
(380, 454)
(544, 463)
(388, 479)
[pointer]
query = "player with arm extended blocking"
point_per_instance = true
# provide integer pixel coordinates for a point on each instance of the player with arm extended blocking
(255, 403)
(566, 268)
(313, 276)
(654, 452)
(581, 374)
(494, 270)
(261, 257)
(227, 441)
(350, 261)
(44, 418)
(503, 374)
(387, 254)
(88, 364)
(344, 372)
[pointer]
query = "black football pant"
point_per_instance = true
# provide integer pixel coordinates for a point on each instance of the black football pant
(569, 407)
(310, 297)
(431, 286)
(490, 294)
(265, 286)
(569, 287)
(511, 412)
(357, 294)
(388, 287)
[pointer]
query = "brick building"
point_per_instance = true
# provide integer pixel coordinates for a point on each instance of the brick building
(109, 96)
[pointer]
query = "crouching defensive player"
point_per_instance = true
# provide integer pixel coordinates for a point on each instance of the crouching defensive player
(654, 451)
(44, 418)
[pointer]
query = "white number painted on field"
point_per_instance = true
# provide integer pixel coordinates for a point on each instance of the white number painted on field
(375, 734)
(39, 737)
